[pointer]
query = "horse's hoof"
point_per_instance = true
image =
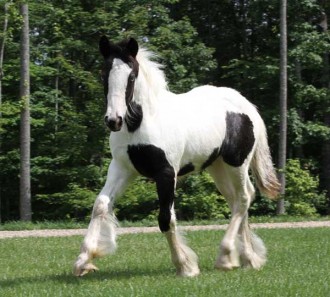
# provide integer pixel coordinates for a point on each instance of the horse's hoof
(81, 271)
(226, 267)
(188, 273)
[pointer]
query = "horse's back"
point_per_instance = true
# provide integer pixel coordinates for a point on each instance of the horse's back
(200, 120)
(226, 98)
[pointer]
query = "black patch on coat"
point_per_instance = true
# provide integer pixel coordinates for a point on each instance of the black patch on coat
(239, 139)
(151, 162)
(238, 142)
(165, 190)
(186, 169)
(214, 155)
(134, 116)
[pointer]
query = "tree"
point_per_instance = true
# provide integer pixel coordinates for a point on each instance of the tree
(2, 49)
(25, 135)
(69, 146)
(325, 176)
(283, 106)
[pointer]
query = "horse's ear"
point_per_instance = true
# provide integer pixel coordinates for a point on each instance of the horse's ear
(132, 47)
(105, 47)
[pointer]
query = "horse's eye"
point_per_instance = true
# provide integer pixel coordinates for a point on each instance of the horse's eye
(102, 75)
(132, 76)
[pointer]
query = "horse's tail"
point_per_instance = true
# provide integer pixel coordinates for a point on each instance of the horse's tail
(262, 167)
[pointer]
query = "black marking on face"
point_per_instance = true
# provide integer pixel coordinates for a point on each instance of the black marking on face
(125, 50)
(151, 162)
(186, 169)
(105, 76)
(239, 139)
(133, 116)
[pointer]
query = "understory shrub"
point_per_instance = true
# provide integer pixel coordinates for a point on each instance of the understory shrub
(301, 193)
(196, 198)
(138, 202)
(76, 202)
(302, 197)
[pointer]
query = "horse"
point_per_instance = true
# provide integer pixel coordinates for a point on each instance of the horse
(162, 136)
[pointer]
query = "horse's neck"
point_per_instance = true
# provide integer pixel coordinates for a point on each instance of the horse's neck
(148, 95)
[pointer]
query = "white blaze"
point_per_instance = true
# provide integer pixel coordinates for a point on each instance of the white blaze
(117, 83)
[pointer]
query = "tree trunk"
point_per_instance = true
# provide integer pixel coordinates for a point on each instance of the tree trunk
(299, 152)
(57, 78)
(25, 178)
(325, 172)
(283, 106)
(2, 50)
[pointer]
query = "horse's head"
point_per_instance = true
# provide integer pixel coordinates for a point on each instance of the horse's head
(119, 73)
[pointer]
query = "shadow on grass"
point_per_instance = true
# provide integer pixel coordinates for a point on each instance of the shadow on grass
(69, 278)
(107, 275)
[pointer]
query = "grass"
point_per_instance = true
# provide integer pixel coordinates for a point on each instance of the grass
(298, 265)
(18, 225)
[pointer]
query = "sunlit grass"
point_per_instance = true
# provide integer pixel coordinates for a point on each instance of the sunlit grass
(18, 225)
(298, 265)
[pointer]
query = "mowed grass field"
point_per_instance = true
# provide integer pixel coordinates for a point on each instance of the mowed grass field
(298, 265)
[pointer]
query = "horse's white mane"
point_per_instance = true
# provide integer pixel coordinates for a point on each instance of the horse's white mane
(151, 70)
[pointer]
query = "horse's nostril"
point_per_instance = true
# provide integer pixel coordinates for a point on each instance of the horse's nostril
(120, 121)
(113, 123)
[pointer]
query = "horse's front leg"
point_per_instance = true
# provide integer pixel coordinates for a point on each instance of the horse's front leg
(184, 258)
(101, 234)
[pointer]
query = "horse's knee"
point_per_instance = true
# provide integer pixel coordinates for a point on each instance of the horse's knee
(101, 206)
(243, 202)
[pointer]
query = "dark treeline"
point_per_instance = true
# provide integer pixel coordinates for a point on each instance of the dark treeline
(225, 43)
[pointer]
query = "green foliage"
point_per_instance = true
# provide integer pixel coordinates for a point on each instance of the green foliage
(302, 194)
(139, 201)
(301, 191)
(68, 138)
(75, 202)
(69, 143)
(182, 43)
(198, 198)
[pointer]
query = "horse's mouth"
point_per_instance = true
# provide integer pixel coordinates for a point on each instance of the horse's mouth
(114, 124)
(115, 129)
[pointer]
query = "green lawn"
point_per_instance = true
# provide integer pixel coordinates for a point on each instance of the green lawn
(19, 225)
(298, 265)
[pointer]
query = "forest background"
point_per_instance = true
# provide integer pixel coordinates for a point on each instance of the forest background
(224, 43)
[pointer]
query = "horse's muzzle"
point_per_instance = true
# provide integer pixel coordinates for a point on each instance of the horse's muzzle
(114, 124)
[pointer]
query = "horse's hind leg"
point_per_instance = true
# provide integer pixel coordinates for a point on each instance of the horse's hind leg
(252, 249)
(232, 182)
(101, 235)
(184, 259)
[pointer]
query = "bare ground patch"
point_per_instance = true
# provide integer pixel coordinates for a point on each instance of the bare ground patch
(130, 230)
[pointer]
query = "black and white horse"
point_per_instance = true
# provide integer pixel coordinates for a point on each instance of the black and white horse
(162, 135)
